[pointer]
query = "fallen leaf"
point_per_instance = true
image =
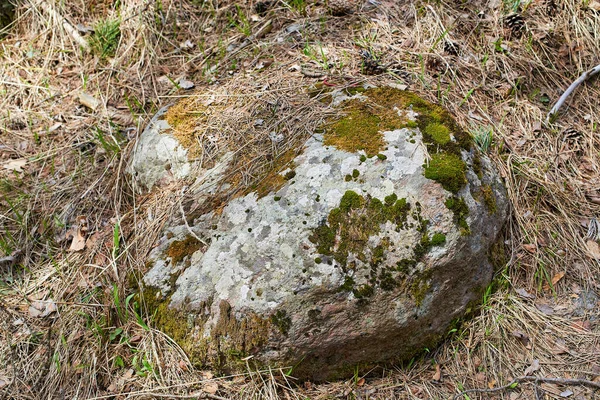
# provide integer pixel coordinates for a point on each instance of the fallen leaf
(557, 278)
(360, 382)
(530, 247)
(545, 308)
(523, 338)
(207, 375)
(78, 242)
(560, 347)
(88, 100)
(210, 387)
(566, 393)
(438, 373)
(15, 165)
(492, 384)
(524, 293)
(535, 365)
(480, 377)
(593, 249)
(41, 309)
(182, 365)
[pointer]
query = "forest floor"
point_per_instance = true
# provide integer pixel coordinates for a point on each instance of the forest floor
(73, 233)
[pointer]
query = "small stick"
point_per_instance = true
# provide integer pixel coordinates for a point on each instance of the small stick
(511, 385)
(584, 77)
(68, 27)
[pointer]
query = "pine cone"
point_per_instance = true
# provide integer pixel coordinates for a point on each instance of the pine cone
(551, 8)
(341, 7)
(451, 48)
(516, 23)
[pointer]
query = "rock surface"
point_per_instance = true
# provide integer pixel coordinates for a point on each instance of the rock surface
(377, 241)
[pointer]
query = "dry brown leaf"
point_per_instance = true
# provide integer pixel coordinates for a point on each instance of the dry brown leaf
(530, 248)
(593, 249)
(480, 377)
(557, 278)
(535, 365)
(40, 309)
(15, 165)
(183, 365)
(78, 242)
(492, 384)
(438, 373)
(210, 387)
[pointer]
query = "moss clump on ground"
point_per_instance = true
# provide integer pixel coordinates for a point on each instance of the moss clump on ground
(460, 210)
(180, 249)
(487, 193)
(184, 118)
(447, 169)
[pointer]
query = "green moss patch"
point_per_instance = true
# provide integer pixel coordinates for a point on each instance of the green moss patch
(438, 132)
(365, 119)
(438, 239)
(358, 130)
(448, 169)
(350, 225)
(487, 193)
(460, 210)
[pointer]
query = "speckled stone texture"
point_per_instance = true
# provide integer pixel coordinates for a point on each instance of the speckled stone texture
(355, 261)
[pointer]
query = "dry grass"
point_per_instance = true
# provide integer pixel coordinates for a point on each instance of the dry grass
(95, 344)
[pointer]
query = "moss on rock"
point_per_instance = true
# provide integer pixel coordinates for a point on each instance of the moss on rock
(448, 169)
(460, 210)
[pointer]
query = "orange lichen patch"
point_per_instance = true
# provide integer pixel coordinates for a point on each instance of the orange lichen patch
(180, 249)
(186, 118)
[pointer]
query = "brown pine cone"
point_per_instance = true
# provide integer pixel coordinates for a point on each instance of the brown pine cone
(341, 7)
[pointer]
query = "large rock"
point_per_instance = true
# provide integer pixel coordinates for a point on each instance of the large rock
(376, 242)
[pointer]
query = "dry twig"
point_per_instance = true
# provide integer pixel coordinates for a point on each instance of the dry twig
(584, 77)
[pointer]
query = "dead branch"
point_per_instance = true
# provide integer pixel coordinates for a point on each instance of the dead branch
(511, 385)
(66, 25)
(584, 77)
